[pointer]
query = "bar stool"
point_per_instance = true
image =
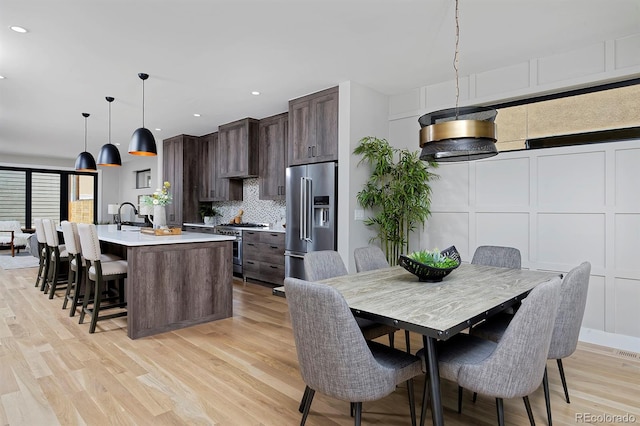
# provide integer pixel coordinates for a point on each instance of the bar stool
(98, 275)
(43, 268)
(57, 256)
(76, 286)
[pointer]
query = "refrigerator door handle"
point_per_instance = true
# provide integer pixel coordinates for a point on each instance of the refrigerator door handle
(303, 209)
(309, 212)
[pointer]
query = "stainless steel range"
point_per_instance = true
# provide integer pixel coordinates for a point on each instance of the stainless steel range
(235, 230)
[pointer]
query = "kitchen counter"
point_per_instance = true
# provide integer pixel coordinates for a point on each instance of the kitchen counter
(173, 281)
(265, 229)
(131, 237)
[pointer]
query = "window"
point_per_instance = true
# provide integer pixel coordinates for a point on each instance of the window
(13, 195)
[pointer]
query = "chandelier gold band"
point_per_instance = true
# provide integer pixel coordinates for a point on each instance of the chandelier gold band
(457, 129)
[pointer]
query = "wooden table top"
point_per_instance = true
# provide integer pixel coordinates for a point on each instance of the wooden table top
(467, 295)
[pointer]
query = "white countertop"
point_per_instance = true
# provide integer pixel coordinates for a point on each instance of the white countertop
(131, 236)
(265, 229)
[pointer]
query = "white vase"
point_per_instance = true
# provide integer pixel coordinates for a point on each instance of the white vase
(159, 217)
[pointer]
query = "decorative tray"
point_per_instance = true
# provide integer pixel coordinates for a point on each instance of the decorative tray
(161, 231)
(428, 273)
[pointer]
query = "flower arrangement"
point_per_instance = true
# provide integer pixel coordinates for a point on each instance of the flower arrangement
(161, 197)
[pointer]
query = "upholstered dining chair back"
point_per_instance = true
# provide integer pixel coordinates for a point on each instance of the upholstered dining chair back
(71, 237)
(323, 264)
(333, 355)
(369, 258)
(50, 233)
(516, 367)
(573, 299)
(40, 235)
(499, 256)
(89, 241)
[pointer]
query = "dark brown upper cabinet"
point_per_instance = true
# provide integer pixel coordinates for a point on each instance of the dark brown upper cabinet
(313, 128)
(212, 187)
(238, 149)
(273, 133)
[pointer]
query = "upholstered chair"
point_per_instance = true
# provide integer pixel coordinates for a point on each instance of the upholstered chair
(566, 329)
(57, 257)
(43, 250)
(501, 257)
(99, 274)
(324, 264)
(370, 258)
(511, 368)
(334, 357)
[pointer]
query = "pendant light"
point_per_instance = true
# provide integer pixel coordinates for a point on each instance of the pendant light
(109, 154)
(85, 161)
(458, 134)
(142, 141)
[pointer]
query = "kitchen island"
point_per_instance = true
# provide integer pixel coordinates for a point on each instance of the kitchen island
(173, 281)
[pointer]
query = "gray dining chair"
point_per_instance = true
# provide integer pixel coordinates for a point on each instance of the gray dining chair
(499, 256)
(370, 258)
(511, 368)
(334, 357)
(324, 264)
(566, 329)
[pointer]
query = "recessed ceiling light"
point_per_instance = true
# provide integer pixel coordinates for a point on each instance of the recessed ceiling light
(158, 129)
(118, 143)
(18, 29)
(196, 115)
(255, 93)
(1, 77)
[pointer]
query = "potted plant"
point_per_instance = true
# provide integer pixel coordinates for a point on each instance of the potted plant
(397, 193)
(208, 213)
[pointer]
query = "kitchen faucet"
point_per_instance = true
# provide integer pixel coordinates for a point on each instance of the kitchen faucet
(135, 211)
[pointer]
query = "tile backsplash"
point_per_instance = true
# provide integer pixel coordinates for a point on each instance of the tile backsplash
(255, 210)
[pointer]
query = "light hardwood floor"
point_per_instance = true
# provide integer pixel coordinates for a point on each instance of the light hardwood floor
(238, 371)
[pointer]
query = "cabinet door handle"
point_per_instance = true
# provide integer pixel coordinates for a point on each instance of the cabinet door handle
(274, 247)
(250, 244)
(250, 262)
(273, 234)
(309, 152)
(313, 151)
(273, 267)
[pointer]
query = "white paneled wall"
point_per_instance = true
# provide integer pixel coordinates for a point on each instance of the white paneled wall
(559, 206)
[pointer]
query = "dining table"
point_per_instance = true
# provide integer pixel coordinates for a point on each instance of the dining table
(437, 310)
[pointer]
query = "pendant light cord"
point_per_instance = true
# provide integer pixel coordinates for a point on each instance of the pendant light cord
(85, 134)
(143, 101)
(455, 59)
(109, 122)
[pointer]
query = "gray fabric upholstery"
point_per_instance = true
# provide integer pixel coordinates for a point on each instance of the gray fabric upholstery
(320, 265)
(573, 299)
(89, 241)
(369, 258)
(333, 355)
(501, 257)
(40, 231)
(325, 264)
(515, 366)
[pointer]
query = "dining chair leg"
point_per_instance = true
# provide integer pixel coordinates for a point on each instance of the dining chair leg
(407, 339)
(475, 397)
(412, 402)
(460, 389)
(500, 409)
(564, 381)
(527, 405)
(547, 398)
(305, 395)
(307, 406)
(352, 409)
(392, 336)
(358, 418)
(425, 401)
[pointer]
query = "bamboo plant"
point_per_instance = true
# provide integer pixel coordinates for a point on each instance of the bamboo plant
(397, 193)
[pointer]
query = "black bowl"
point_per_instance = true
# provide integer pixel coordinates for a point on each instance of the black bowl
(426, 273)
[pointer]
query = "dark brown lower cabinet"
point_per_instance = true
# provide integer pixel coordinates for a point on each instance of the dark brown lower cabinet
(263, 256)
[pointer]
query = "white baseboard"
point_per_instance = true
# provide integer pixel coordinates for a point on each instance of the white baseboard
(611, 340)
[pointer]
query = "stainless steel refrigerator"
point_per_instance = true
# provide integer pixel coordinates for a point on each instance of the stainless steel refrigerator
(312, 191)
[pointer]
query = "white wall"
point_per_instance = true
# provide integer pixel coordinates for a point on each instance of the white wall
(362, 112)
(559, 206)
(127, 183)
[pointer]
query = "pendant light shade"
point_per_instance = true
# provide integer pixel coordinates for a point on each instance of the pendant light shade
(85, 161)
(109, 154)
(458, 134)
(142, 140)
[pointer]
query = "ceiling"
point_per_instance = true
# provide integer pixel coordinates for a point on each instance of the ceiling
(206, 56)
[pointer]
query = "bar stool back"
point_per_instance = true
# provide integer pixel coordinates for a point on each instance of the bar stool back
(72, 243)
(43, 251)
(57, 256)
(99, 274)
